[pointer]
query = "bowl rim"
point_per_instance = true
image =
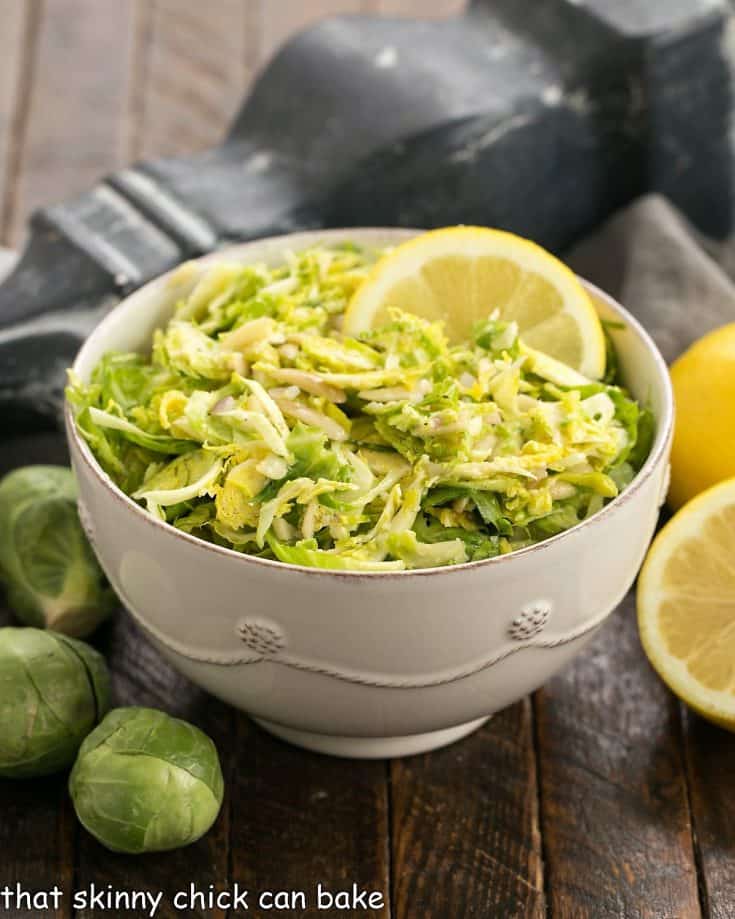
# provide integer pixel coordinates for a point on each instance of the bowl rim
(661, 442)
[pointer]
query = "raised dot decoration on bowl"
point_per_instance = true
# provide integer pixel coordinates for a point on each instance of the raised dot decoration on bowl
(531, 620)
(264, 638)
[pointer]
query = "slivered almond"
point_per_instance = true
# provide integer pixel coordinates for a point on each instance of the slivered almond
(311, 416)
(255, 330)
(308, 382)
(390, 394)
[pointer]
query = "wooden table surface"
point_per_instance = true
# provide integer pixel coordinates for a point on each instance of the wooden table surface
(600, 796)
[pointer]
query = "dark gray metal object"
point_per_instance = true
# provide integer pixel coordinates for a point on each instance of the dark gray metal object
(540, 116)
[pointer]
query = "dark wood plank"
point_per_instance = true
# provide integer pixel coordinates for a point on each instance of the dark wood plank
(76, 118)
(710, 754)
(17, 38)
(192, 72)
(614, 811)
(300, 819)
(36, 839)
(465, 832)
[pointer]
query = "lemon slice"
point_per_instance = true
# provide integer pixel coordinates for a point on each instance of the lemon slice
(686, 604)
(462, 274)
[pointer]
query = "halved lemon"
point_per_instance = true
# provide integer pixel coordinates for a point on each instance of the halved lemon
(686, 604)
(462, 274)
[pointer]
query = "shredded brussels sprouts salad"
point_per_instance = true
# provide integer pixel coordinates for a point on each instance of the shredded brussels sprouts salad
(256, 425)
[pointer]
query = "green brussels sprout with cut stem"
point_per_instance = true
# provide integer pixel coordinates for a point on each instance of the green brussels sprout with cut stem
(53, 691)
(146, 782)
(52, 578)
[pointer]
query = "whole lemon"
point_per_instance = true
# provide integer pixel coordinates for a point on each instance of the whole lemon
(704, 436)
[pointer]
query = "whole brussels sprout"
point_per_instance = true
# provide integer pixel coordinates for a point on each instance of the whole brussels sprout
(53, 690)
(52, 577)
(146, 782)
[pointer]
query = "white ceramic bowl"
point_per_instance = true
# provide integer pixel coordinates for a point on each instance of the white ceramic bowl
(357, 664)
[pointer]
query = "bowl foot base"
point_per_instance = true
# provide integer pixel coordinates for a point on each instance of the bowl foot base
(371, 747)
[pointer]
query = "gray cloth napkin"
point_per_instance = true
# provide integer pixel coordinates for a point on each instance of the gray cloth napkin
(677, 283)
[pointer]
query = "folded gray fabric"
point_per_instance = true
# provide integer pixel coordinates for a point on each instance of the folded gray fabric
(651, 260)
